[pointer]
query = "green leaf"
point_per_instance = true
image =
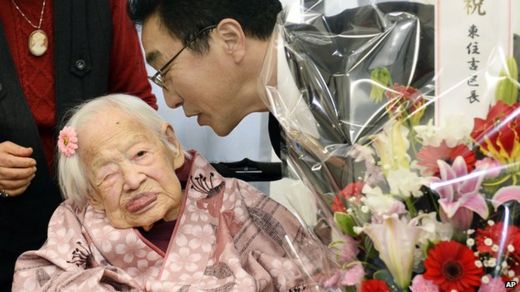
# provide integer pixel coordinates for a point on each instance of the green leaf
(345, 223)
(387, 277)
(381, 78)
(507, 90)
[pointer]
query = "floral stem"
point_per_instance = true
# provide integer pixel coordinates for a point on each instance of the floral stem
(498, 182)
(413, 137)
(411, 207)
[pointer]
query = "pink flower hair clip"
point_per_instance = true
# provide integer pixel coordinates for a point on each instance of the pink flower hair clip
(68, 141)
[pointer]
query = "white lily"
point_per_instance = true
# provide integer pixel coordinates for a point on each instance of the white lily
(395, 240)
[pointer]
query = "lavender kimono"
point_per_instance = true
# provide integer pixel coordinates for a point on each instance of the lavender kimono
(228, 237)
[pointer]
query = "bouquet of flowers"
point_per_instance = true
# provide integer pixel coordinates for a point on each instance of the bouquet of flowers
(409, 204)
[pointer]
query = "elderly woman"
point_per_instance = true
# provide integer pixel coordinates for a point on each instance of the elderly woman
(141, 214)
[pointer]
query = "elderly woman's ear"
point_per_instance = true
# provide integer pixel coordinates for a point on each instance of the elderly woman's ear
(178, 154)
(95, 200)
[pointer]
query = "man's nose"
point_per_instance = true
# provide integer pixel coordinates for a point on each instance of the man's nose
(132, 177)
(172, 99)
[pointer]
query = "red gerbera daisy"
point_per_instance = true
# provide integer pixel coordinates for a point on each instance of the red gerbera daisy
(351, 190)
(428, 156)
(451, 265)
(374, 286)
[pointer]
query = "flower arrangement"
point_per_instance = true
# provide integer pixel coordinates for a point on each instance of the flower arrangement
(403, 203)
(436, 208)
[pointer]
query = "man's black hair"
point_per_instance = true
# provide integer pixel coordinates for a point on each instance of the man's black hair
(185, 18)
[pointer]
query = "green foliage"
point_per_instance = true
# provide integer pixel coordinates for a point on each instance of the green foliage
(382, 79)
(387, 277)
(507, 88)
(345, 222)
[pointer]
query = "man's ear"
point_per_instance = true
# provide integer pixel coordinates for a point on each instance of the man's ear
(178, 155)
(230, 32)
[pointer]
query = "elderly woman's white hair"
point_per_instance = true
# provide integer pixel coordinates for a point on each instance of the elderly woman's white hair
(71, 171)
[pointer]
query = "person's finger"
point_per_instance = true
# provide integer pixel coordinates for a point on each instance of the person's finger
(15, 184)
(16, 173)
(12, 161)
(15, 149)
(16, 192)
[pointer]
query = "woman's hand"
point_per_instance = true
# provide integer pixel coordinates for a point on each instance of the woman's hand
(17, 168)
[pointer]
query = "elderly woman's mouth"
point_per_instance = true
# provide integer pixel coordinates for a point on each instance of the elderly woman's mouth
(140, 202)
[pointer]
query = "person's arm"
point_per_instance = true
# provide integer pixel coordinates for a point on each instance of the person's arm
(127, 68)
(67, 262)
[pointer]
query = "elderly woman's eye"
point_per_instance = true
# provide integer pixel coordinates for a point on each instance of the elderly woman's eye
(140, 154)
(106, 178)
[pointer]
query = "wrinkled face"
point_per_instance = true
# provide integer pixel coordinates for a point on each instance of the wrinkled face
(207, 85)
(130, 171)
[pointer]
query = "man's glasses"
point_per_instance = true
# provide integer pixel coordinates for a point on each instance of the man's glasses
(158, 77)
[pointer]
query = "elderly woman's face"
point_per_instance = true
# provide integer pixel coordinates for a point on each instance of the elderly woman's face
(131, 172)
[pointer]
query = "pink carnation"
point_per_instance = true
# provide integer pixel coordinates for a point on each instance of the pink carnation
(353, 275)
(67, 141)
(349, 277)
(333, 281)
(349, 249)
(420, 284)
(494, 285)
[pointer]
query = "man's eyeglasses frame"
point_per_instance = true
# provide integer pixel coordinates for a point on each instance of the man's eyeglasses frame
(158, 77)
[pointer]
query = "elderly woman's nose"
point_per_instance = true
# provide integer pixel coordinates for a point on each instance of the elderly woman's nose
(132, 178)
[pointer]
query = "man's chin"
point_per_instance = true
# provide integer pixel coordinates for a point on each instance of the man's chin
(221, 132)
(221, 127)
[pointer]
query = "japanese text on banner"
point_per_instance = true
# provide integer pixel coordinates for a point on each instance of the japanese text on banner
(473, 38)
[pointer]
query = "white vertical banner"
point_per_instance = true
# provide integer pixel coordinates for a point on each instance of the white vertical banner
(473, 38)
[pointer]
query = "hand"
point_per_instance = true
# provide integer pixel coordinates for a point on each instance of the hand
(17, 168)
